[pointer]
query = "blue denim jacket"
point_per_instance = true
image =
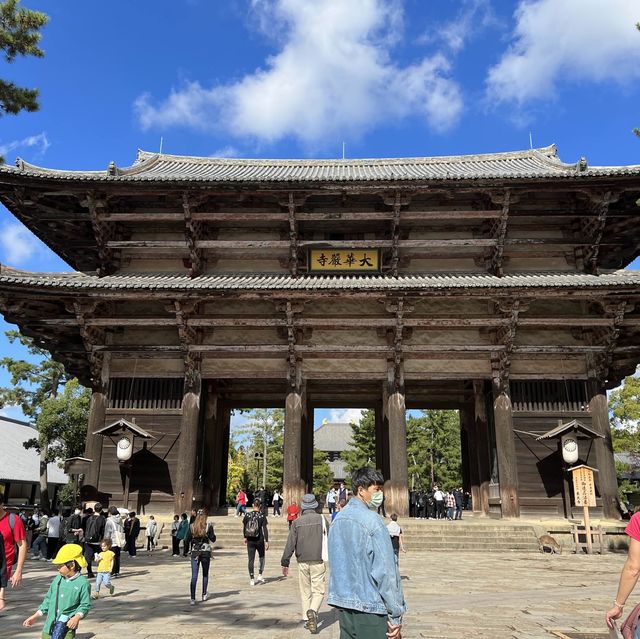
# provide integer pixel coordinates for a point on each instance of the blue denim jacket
(364, 575)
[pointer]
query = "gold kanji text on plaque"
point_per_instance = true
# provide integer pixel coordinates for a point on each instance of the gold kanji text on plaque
(346, 261)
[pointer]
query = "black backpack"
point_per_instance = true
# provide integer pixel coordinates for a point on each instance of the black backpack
(252, 526)
(95, 529)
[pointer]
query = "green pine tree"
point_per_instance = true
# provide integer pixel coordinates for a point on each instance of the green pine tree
(362, 451)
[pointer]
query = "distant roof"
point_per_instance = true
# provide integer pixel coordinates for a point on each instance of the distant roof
(339, 469)
(284, 281)
(16, 462)
(532, 163)
(334, 437)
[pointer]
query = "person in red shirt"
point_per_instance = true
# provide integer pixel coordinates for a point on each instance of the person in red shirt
(293, 510)
(630, 571)
(12, 538)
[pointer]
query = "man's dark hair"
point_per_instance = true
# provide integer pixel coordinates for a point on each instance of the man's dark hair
(394, 517)
(257, 503)
(365, 477)
(132, 514)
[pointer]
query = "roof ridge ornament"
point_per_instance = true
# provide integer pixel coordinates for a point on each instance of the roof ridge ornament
(20, 163)
(582, 165)
(112, 169)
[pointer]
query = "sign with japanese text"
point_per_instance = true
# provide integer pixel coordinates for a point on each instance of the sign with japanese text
(350, 261)
(584, 489)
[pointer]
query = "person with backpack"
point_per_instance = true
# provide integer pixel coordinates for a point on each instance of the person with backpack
(93, 535)
(114, 530)
(200, 537)
(13, 534)
(256, 538)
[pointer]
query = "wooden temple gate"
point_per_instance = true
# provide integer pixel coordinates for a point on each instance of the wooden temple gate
(486, 284)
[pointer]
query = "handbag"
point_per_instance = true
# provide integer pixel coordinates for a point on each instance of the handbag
(325, 541)
(630, 625)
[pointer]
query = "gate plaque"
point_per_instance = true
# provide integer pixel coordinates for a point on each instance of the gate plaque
(344, 261)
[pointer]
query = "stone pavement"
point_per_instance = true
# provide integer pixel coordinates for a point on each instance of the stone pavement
(450, 596)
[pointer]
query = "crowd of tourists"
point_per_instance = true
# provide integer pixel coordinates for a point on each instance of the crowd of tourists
(439, 504)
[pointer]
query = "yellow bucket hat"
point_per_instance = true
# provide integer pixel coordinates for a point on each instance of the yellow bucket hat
(70, 552)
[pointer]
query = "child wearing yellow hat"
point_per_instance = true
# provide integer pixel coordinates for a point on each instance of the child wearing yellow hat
(68, 599)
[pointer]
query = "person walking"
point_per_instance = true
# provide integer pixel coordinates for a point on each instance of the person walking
(305, 539)
(276, 503)
(53, 536)
(39, 548)
(199, 540)
(150, 533)
(331, 501)
(458, 495)
(13, 538)
(114, 531)
(397, 539)
(68, 599)
(343, 492)
(175, 540)
(105, 558)
(256, 538)
(183, 531)
(131, 532)
(93, 535)
(241, 503)
(438, 497)
(71, 526)
(364, 582)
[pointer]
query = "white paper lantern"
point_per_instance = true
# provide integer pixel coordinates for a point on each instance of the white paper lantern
(124, 449)
(570, 448)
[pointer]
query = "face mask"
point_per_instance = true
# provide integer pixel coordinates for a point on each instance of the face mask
(376, 500)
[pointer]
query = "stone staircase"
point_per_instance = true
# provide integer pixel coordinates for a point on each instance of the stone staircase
(420, 536)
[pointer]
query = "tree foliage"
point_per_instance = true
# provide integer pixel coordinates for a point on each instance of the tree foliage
(19, 36)
(433, 447)
(60, 417)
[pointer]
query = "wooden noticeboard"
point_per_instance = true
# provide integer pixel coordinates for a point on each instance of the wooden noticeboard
(584, 489)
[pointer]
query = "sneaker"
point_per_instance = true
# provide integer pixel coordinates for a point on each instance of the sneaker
(42, 558)
(192, 602)
(205, 596)
(260, 579)
(252, 582)
(312, 621)
(111, 588)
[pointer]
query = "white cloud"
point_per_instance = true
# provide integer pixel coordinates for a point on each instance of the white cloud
(17, 244)
(345, 415)
(39, 141)
(333, 77)
(228, 151)
(559, 41)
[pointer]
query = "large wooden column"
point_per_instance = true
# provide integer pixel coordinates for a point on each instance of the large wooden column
(470, 449)
(216, 426)
(294, 485)
(606, 478)
(382, 440)
(396, 488)
(187, 443)
(97, 416)
(306, 470)
(506, 451)
(481, 432)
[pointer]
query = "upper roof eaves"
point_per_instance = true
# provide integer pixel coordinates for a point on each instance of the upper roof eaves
(154, 167)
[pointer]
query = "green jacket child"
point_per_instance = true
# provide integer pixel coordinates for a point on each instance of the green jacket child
(68, 594)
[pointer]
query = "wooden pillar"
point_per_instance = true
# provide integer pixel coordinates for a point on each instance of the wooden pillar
(224, 434)
(607, 479)
(93, 445)
(306, 471)
(293, 484)
(396, 488)
(506, 452)
(187, 443)
(481, 505)
(470, 452)
(382, 440)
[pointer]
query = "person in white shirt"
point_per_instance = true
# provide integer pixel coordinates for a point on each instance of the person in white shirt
(438, 496)
(277, 502)
(150, 532)
(395, 532)
(53, 536)
(332, 497)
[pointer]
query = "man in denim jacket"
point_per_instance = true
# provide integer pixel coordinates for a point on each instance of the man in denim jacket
(364, 583)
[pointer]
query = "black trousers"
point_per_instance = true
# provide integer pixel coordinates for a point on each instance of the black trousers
(116, 560)
(175, 545)
(252, 547)
(89, 551)
(131, 545)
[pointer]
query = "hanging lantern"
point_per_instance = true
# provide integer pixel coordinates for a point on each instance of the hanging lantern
(570, 448)
(124, 448)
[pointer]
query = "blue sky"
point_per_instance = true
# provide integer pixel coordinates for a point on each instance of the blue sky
(297, 78)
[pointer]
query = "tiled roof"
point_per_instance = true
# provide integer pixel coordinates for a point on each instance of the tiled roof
(155, 167)
(332, 437)
(18, 463)
(76, 281)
